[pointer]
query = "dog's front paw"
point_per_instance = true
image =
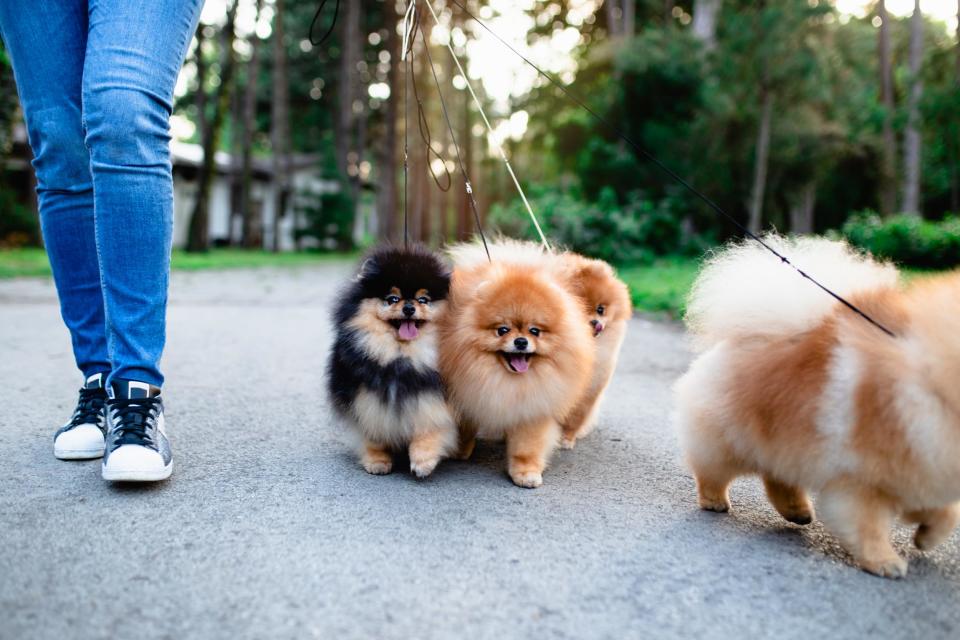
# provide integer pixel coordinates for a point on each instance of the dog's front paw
(720, 505)
(378, 467)
(888, 567)
(527, 479)
(422, 467)
(568, 442)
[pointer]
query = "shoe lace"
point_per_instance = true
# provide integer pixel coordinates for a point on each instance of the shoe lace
(132, 419)
(89, 407)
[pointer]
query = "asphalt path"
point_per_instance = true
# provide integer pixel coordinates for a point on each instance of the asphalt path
(269, 528)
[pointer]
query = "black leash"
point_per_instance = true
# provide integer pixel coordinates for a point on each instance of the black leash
(653, 159)
(316, 16)
(468, 187)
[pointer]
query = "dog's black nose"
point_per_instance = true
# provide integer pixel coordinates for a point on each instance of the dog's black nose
(409, 310)
(594, 323)
(521, 343)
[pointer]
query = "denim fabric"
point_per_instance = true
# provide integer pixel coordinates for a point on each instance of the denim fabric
(96, 80)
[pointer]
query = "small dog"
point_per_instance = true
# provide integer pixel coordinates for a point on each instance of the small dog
(606, 303)
(608, 308)
(516, 355)
(382, 374)
(802, 391)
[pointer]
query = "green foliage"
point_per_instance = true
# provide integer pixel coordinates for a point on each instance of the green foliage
(636, 232)
(907, 240)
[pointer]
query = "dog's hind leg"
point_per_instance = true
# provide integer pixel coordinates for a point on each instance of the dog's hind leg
(376, 458)
(789, 501)
(936, 525)
(862, 519)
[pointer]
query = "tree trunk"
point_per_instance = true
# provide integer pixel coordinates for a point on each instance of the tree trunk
(387, 211)
(252, 228)
(760, 162)
(198, 231)
(801, 211)
(668, 6)
(888, 168)
(629, 18)
(706, 13)
(912, 141)
(614, 18)
(347, 150)
(201, 82)
(280, 124)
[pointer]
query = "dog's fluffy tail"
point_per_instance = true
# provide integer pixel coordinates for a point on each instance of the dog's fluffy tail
(743, 290)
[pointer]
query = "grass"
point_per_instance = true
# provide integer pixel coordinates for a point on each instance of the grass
(33, 262)
(661, 287)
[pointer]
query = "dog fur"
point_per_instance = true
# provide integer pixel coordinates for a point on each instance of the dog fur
(800, 390)
(492, 306)
(382, 373)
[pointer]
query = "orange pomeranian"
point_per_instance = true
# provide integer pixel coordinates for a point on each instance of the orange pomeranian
(605, 303)
(802, 391)
(515, 356)
(608, 310)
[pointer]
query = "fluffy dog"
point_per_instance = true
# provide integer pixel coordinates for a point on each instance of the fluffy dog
(608, 309)
(516, 355)
(606, 305)
(802, 391)
(382, 374)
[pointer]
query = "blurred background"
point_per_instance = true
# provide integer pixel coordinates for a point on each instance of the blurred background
(807, 116)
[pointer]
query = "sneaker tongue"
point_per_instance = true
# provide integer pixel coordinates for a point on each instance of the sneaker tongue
(96, 381)
(519, 363)
(131, 389)
(408, 330)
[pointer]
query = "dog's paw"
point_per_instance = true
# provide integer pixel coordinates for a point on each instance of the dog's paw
(465, 450)
(422, 467)
(888, 567)
(568, 442)
(527, 479)
(378, 467)
(718, 505)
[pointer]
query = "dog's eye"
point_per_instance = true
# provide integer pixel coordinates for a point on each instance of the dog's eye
(502, 331)
(392, 299)
(600, 310)
(423, 300)
(534, 331)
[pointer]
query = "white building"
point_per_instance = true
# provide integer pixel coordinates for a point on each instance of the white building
(225, 228)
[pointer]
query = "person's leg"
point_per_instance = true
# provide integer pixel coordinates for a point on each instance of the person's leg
(47, 43)
(133, 56)
(134, 52)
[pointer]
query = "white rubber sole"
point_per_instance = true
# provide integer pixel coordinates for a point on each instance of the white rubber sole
(136, 475)
(77, 454)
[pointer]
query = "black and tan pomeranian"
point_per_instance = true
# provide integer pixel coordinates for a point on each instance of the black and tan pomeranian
(382, 376)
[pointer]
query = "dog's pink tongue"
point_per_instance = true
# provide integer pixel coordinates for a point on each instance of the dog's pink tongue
(408, 330)
(519, 363)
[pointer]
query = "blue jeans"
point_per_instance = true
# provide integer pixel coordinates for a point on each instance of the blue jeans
(96, 80)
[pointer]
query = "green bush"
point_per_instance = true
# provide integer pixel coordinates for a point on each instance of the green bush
(907, 240)
(636, 232)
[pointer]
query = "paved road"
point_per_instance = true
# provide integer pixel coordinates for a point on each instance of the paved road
(269, 529)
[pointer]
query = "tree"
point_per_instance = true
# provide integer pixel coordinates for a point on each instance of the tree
(280, 123)
(252, 234)
(912, 140)
(888, 166)
(198, 232)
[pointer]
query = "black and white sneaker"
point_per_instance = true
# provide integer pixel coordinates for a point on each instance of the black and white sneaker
(82, 437)
(137, 449)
